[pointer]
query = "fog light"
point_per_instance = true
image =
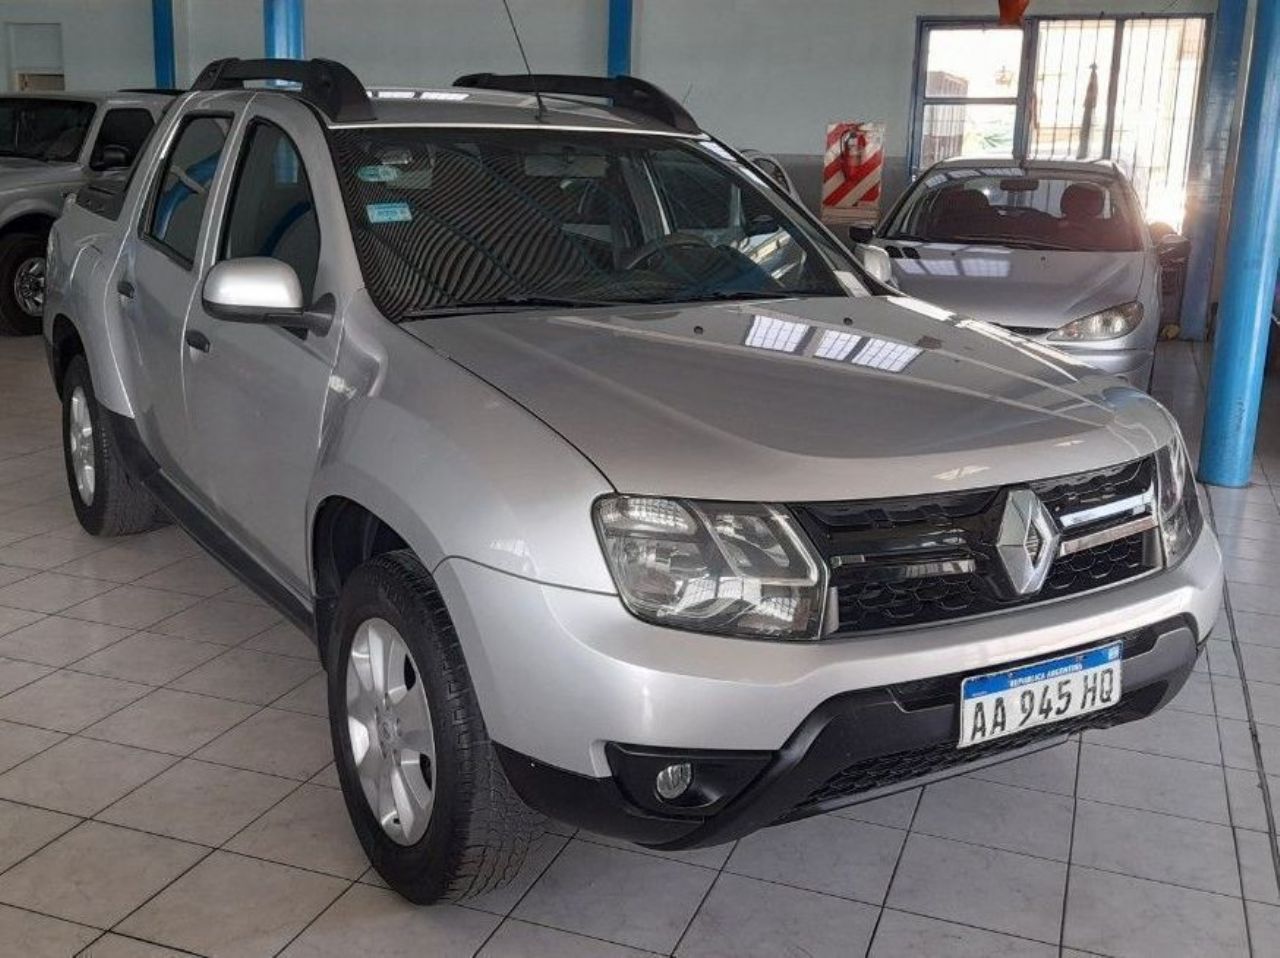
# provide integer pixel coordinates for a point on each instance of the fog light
(673, 781)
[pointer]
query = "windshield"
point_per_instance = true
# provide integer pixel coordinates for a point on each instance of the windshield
(447, 220)
(1010, 207)
(43, 129)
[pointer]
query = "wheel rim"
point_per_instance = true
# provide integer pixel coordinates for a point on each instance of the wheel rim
(80, 443)
(28, 286)
(389, 724)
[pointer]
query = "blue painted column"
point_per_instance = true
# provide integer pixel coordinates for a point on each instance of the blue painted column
(162, 43)
(1204, 206)
(1253, 253)
(619, 47)
(285, 29)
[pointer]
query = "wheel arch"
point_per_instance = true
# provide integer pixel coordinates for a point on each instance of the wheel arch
(65, 343)
(36, 222)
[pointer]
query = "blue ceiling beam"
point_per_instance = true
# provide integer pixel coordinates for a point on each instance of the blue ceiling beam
(162, 44)
(618, 50)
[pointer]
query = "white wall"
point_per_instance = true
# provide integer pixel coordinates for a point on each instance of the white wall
(413, 42)
(106, 44)
(771, 75)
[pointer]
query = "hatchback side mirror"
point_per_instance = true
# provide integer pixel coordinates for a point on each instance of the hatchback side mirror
(260, 289)
(862, 234)
(1173, 248)
(876, 262)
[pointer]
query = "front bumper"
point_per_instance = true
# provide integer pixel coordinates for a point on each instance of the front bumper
(573, 687)
(851, 748)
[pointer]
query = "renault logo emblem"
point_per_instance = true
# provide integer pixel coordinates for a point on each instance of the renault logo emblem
(1028, 541)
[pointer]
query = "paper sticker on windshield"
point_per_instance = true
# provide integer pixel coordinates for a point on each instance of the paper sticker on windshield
(388, 212)
(378, 173)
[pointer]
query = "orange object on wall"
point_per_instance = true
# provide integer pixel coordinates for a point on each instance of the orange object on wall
(1011, 12)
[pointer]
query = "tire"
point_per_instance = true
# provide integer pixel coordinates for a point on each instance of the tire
(19, 252)
(476, 831)
(114, 503)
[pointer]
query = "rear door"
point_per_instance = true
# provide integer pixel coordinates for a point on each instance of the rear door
(160, 280)
(255, 394)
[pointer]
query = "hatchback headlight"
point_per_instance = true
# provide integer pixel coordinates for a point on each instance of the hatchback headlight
(1109, 324)
(727, 568)
(1178, 500)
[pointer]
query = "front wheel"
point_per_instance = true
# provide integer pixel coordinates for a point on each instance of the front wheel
(107, 499)
(426, 794)
(22, 278)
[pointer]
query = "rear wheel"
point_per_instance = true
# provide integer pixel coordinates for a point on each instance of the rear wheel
(423, 786)
(107, 499)
(22, 277)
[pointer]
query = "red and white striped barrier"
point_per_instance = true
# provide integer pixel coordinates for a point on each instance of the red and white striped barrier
(851, 171)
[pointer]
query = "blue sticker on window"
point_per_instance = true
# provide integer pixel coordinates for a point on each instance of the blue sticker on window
(388, 212)
(378, 173)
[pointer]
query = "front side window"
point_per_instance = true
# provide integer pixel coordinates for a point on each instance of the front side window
(41, 128)
(182, 192)
(126, 129)
(1019, 209)
(454, 219)
(272, 212)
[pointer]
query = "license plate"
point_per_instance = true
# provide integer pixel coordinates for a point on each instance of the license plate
(1005, 703)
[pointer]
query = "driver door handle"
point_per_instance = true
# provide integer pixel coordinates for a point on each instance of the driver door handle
(125, 289)
(198, 340)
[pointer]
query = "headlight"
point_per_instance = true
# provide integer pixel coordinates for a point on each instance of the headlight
(727, 568)
(1108, 324)
(1178, 501)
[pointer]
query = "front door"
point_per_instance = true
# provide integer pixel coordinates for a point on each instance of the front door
(255, 394)
(159, 280)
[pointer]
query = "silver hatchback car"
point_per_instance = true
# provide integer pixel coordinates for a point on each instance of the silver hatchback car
(608, 485)
(1056, 250)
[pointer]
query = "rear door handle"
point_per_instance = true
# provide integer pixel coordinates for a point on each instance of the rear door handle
(125, 289)
(198, 340)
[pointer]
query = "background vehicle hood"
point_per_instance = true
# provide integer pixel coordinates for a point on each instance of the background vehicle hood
(693, 401)
(1014, 287)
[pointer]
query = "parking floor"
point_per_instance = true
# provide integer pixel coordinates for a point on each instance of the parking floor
(166, 787)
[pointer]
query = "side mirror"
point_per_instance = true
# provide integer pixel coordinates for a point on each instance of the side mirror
(1173, 248)
(876, 262)
(112, 157)
(259, 289)
(862, 234)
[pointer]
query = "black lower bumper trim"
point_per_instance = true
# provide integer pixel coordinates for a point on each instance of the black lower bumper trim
(852, 747)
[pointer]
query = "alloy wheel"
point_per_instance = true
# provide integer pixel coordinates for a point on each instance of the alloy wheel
(28, 286)
(389, 724)
(80, 443)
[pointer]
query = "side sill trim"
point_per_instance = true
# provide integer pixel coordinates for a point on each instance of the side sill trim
(203, 529)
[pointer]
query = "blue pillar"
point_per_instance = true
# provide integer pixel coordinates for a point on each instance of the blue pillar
(619, 48)
(1253, 252)
(162, 43)
(1204, 194)
(285, 28)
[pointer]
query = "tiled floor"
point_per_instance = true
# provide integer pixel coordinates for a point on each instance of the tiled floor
(165, 785)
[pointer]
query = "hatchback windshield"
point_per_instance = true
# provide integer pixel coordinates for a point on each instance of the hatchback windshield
(450, 220)
(1015, 208)
(43, 129)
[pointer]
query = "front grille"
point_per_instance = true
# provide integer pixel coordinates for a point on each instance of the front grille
(927, 559)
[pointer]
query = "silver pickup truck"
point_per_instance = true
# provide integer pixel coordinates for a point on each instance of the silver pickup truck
(605, 481)
(52, 144)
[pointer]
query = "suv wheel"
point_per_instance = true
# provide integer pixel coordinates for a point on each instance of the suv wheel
(22, 274)
(107, 499)
(424, 788)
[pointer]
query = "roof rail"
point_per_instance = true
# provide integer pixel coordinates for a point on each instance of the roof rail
(326, 84)
(624, 91)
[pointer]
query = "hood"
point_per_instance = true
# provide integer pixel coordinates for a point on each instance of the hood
(1041, 289)
(18, 172)
(816, 399)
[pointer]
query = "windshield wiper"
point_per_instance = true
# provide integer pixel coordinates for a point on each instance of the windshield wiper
(1013, 242)
(508, 304)
(735, 295)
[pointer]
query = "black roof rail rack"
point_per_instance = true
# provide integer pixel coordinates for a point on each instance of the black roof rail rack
(326, 84)
(624, 91)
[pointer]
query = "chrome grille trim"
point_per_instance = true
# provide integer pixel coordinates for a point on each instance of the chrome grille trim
(1134, 505)
(1100, 538)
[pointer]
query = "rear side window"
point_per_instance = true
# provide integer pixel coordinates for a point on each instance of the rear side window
(272, 212)
(182, 191)
(126, 128)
